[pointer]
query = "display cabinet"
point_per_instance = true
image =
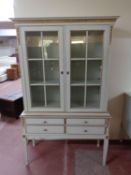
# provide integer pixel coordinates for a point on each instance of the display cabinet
(64, 68)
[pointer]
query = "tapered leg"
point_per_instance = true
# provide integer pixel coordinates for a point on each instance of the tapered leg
(26, 149)
(33, 143)
(98, 143)
(105, 150)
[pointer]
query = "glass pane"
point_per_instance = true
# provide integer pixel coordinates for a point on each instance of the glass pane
(95, 44)
(36, 71)
(52, 71)
(77, 96)
(51, 46)
(94, 71)
(37, 96)
(78, 44)
(93, 97)
(77, 71)
(53, 96)
(34, 43)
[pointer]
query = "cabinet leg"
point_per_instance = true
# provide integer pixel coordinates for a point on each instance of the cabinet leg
(33, 143)
(105, 150)
(98, 143)
(26, 150)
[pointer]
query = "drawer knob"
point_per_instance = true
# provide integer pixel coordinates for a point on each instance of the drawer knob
(85, 130)
(86, 122)
(45, 129)
(45, 122)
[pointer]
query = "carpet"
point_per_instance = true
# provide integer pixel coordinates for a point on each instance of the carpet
(89, 162)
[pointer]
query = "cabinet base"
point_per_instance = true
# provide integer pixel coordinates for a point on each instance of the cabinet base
(105, 148)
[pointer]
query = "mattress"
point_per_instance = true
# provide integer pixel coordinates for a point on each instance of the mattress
(3, 70)
(7, 61)
(3, 77)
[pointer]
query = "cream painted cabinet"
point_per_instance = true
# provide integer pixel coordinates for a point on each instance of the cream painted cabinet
(64, 68)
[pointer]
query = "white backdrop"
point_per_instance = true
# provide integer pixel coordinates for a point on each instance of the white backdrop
(6, 9)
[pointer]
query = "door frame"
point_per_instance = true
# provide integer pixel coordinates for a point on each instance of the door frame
(105, 71)
(24, 66)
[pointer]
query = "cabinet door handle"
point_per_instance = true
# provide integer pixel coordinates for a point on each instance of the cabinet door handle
(68, 73)
(62, 72)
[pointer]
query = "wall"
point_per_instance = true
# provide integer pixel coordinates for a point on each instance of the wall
(6, 10)
(7, 46)
(120, 51)
(7, 38)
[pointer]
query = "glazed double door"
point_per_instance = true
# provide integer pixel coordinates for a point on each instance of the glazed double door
(63, 67)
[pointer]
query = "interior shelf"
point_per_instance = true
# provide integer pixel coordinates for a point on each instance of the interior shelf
(52, 83)
(77, 83)
(48, 83)
(93, 83)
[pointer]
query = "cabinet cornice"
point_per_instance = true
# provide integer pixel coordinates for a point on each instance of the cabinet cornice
(48, 20)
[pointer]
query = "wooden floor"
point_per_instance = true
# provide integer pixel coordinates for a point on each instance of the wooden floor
(10, 86)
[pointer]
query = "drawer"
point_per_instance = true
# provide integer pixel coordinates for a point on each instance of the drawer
(85, 121)
(85, 130)
(45, 121)
(45, 129)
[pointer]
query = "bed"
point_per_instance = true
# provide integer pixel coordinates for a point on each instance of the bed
(5, 63)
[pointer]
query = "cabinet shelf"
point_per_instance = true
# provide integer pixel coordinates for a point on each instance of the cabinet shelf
(79, 59)
(44, 84)
(35, 59)
(52, 83)
(36, 84)
(88, 83)
(77, 83)
(93, 83)
(43, 59)
(51, 59)
(94, 59)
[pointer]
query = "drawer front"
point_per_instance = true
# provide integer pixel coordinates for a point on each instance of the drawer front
(85, 121)
(45, 129)
(45, 121)
(85, 130)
